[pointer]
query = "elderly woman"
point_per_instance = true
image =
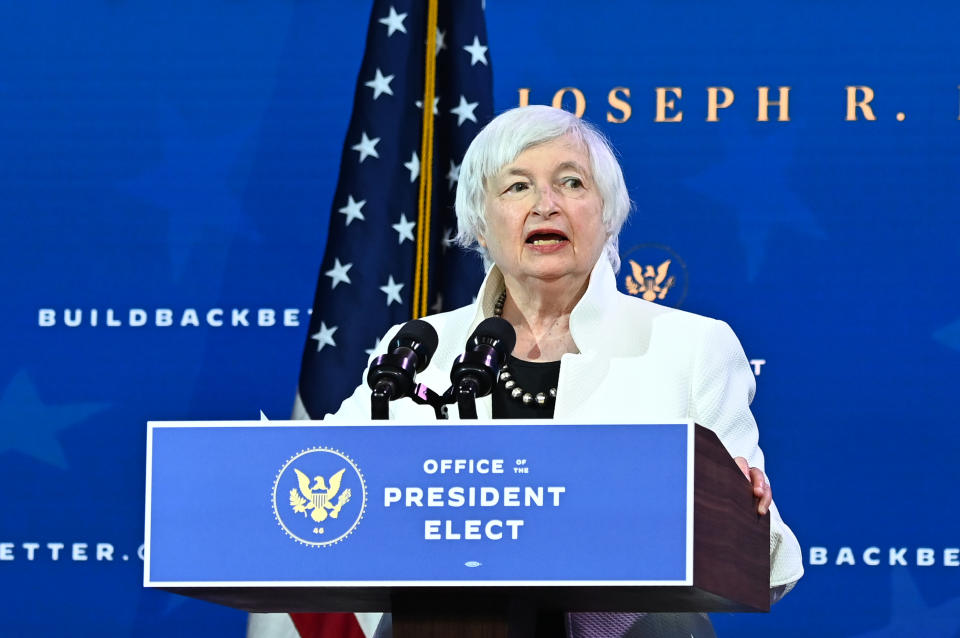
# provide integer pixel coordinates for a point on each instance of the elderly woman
(542, 198)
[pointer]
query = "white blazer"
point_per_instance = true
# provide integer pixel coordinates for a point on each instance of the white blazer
(637, 360)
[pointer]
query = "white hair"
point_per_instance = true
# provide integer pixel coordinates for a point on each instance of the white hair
(511, 133)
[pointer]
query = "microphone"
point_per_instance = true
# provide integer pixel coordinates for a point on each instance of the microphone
(475, 371)
(391, 375)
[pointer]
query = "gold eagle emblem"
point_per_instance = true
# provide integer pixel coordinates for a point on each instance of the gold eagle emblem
(651, 284)
(318, 498)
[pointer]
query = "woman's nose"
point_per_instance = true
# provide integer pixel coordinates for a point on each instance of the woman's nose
(547, 201)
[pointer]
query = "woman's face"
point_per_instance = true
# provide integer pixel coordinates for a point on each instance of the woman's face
(543, 214)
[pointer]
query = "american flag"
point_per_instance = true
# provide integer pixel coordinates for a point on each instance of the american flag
(389, 255)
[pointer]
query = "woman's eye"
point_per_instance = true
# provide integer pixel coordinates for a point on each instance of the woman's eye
(572, 182)
(517, 187)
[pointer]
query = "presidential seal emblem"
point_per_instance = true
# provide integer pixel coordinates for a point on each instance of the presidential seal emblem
(654, 273)
(319, 497)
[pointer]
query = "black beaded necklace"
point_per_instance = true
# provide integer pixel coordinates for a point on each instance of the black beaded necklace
(540, 399)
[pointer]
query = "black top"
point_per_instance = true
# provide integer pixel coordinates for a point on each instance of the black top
(533, 377)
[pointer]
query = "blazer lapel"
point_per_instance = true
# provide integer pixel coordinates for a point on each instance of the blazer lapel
(593, 325)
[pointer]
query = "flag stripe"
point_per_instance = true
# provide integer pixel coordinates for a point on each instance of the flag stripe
(328, 625)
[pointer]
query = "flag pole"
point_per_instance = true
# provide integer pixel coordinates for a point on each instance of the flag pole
(422, 271)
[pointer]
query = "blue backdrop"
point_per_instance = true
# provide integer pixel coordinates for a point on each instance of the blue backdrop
(173, 164)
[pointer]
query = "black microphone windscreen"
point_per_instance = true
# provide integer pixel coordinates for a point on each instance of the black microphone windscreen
(497, 332)
(419, 331)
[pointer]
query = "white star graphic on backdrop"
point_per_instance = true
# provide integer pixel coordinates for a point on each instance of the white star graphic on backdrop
(949, 335)
(440, 43)
(372, 351)
(324, 337)
(338, 273)
(352, 210)
(413, 166)
(394, 22)
(436, 100)
(766, 203)
(367, 147)
(478, 53)
(438, 306)
(198, 168)
(32, 426)
(464, 111)
(392, 290)
(448, 237)
(404, 229)
(380, 84)
(911, 615)
(453, 175)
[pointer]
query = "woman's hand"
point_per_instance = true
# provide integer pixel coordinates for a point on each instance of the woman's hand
(761, 487)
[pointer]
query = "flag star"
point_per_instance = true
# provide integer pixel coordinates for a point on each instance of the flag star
(352, 210)
(448, 237)
(338, 273)
(392, 290)
(380, 84)
(394, 22)
(436, 101)
(440, 43)
(478, 53)
(404, 229)
(324, 337)
(464, 111)
(453, 175)
(372, 351)
(438, 306)
(413, 166)
(368, 147)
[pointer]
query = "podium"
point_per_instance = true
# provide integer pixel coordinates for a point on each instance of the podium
(456, 528)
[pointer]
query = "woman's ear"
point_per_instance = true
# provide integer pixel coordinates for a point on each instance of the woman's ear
(481, 241)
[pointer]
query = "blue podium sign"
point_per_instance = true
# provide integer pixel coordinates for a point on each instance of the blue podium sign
(305, 503)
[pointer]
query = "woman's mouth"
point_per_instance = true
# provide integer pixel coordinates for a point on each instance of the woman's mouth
(546, 238)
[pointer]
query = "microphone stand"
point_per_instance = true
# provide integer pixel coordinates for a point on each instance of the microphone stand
(418, 393)
(380, 401)
(422, 395)
(391, 375)
(473, 376)
(465, 396)
(475, 372)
